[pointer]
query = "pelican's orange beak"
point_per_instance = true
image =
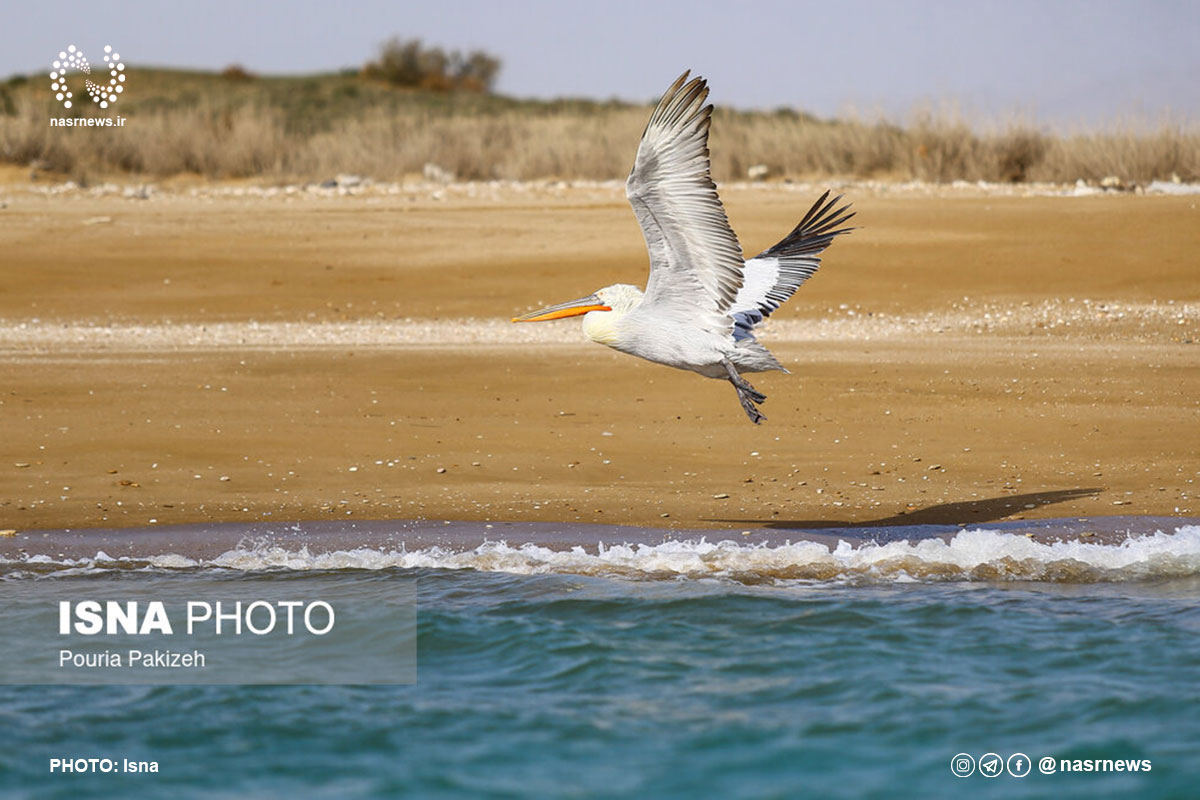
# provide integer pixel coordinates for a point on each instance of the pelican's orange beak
(572, 309)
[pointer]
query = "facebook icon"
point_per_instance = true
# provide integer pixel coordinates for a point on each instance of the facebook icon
(1019, 765)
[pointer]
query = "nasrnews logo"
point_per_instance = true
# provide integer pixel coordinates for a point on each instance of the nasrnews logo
(1018, 765)
(102, 94)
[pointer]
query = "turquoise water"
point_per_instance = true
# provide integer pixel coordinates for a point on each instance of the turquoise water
(556, 684)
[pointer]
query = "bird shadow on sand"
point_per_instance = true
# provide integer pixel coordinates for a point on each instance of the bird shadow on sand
(964, 512)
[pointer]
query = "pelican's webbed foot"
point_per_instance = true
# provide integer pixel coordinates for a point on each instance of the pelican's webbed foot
(748, 396)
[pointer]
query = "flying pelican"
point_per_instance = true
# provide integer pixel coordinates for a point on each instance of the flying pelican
(702, 300)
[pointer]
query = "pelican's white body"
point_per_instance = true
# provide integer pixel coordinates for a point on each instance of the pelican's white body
(668, 338)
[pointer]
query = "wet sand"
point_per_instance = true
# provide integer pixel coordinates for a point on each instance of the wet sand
(202, 359)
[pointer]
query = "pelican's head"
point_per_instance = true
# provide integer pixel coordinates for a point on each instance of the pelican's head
(619, 298)
(602, 310)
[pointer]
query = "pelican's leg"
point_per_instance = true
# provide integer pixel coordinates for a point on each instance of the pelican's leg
(748, 396)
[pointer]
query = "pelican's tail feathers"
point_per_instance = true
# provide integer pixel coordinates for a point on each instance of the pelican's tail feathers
(751, 356)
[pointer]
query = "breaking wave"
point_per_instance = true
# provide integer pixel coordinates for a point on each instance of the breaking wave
(976, 555)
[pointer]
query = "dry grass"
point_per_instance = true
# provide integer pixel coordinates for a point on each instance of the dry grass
(313, 128)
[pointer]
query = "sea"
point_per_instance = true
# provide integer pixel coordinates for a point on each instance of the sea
(1054, 658)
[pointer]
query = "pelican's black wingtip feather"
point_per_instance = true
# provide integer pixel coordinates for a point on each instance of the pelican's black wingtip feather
(816, 230)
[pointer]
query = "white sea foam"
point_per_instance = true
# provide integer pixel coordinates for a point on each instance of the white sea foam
(969, 555)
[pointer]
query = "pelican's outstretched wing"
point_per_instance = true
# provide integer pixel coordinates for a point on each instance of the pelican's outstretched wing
(774, 275)
(695, 259)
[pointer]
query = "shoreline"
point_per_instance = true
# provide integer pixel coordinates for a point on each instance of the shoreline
(1059, 551)
(206, 541)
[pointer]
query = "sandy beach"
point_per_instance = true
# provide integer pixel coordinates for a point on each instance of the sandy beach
(209, 354)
